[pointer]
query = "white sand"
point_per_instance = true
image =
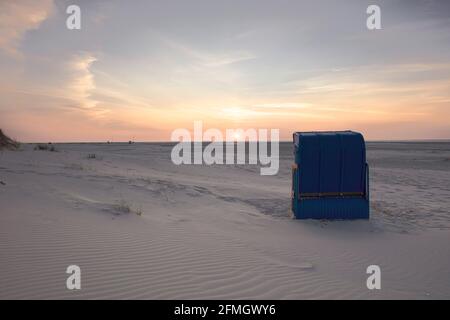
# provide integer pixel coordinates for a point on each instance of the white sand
(215, 232)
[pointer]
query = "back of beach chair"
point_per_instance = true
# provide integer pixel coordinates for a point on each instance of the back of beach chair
(330, 176)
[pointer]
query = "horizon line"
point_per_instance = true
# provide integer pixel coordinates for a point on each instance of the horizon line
(209, 141)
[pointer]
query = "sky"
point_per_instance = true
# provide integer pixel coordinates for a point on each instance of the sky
(137, 70)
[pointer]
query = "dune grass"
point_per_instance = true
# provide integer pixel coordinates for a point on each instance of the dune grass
(124, 207)
(7, 143)
(45, 147)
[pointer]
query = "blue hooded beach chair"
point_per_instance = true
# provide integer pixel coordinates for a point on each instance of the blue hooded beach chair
(330, 176)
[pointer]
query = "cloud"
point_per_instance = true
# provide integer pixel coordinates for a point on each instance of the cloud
(18, 17)
(81, 83)
(208, 59)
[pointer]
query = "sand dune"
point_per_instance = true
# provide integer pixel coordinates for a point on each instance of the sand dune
(7, 143)
(214, 232)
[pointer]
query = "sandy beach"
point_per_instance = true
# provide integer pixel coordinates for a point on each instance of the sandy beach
(141, 227)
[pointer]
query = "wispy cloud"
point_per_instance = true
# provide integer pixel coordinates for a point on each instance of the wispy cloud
(205, 58)
(81, 83)
(18, 17)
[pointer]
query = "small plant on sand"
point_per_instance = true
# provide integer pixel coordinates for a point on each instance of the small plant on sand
(41, 147)
(123, 207)
(45, 147)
